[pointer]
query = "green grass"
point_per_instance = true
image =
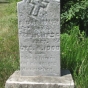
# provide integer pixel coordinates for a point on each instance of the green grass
(74, 55)
(9, 55)
(74, 48)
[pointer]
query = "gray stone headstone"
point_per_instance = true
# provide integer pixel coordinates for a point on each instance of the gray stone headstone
(39, 37)
(39, 45)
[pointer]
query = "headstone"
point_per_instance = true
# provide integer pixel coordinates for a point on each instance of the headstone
(39, 37)
(39, 46)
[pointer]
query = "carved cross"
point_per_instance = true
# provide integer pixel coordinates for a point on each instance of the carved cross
(38, 4)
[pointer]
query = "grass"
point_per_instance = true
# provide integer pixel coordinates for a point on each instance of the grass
(74, 55)
(74, 48)
(9, 55)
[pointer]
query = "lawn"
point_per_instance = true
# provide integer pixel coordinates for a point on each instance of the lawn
(9, 52)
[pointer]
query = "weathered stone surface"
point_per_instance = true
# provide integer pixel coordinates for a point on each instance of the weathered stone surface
(17, 81)
(39, 37)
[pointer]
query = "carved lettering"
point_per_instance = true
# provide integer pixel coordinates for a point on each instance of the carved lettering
(27, 33)
(44, 48)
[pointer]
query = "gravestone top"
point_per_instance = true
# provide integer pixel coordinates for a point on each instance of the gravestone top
(39, 37)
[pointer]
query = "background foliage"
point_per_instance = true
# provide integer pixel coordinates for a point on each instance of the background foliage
(74, 12)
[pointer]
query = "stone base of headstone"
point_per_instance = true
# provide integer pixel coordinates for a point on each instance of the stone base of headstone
(17, 81)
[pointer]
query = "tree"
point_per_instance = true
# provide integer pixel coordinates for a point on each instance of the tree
(74, 12)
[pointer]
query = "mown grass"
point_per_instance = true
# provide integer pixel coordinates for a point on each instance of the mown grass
(74, 48)
(9, 55)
